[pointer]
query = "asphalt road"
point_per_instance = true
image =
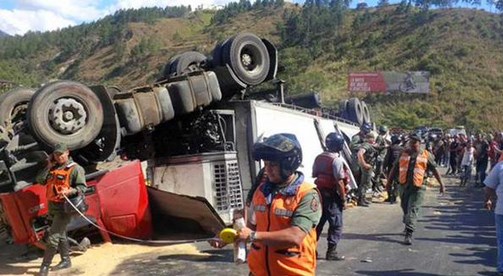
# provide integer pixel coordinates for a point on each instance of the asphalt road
(455, 237)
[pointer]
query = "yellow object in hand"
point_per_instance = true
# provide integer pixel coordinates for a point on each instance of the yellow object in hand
(228, 235)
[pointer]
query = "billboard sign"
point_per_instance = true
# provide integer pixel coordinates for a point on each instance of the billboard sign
(389, 82)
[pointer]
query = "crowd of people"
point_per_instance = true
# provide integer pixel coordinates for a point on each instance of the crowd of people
(461, 154)
(287, 215)
(401, 163)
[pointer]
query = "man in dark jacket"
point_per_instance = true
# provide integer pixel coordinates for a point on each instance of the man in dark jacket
(331, 181)
(391, 156)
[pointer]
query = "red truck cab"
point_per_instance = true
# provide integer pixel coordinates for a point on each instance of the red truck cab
(117, 199)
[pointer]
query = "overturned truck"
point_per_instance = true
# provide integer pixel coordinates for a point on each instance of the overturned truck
(192, 127)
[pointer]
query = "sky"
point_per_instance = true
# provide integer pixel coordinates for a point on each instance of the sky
(20, 16)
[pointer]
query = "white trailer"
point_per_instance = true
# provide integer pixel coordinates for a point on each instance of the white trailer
(223, 178)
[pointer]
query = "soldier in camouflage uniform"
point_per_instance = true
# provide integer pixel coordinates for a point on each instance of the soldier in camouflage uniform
(411, 168)
(382, 145)
(63, 177)
(366, 159)
(356, 141)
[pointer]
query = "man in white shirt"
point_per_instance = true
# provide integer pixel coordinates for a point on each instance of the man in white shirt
(494, 191)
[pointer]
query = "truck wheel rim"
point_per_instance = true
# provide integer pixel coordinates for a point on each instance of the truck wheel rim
(249, 58)
(19, 112)
(68, 116)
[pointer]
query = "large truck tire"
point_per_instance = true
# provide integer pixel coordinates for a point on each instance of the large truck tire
(343, 109)
(355, 112)
(366, 112)
(105, 146)
(229, 83)
(273, 59)
(65, 112)
(184, 63)
(248, 57)
(113, 90)
(217, 55)
(308, 100)
(14, 104)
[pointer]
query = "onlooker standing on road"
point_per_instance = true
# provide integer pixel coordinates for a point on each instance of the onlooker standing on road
(331, 181)
(481, 159)
(453, 155)
(494, 192)
(411, 168)
(447, 157)
(467, 162)
(286, 210)
(63, 177)
(493, 150)
(438, 149)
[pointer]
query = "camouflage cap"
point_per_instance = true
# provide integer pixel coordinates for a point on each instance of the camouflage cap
(60, 148)
(371, 135)
(415, 137)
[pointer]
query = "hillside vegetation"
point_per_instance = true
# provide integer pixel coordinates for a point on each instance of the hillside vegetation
(319, 45)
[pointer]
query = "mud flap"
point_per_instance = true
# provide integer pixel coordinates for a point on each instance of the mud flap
(181, 213)
(273, 57)
(228, 81)
(105, 145)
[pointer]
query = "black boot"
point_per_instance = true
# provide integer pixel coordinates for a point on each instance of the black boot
(362, 202)
(408, 238)
(64, 252)
(392, 199)
(368, 202)
(46, 261)
(332, 254)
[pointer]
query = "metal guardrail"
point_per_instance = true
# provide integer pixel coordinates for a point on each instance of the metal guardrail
(315, 113)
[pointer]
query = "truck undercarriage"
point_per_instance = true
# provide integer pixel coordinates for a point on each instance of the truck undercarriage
(193, 134)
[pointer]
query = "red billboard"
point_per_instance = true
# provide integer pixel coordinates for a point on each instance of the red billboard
(389, 82)
(367, 82)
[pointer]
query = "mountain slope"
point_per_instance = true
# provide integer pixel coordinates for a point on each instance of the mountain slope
(2, 34)
(460, 47)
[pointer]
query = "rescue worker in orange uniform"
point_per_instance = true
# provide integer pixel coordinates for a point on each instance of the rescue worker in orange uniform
(331, 181)
(411, 167)
(61, 176)
(285, 212)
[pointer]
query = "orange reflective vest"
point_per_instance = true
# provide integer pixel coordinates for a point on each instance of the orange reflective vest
(272, 260)
(324, 172)
(419, 169)
(57, 180)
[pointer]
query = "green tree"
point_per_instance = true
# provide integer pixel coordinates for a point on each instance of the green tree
(382, 3)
